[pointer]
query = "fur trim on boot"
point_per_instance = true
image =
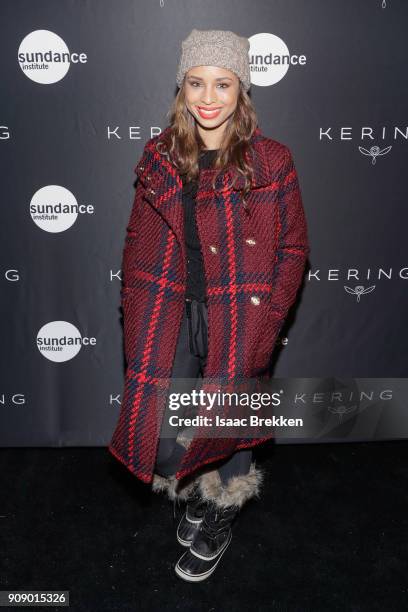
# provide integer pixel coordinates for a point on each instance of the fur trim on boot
(238, 490)
(172, 487)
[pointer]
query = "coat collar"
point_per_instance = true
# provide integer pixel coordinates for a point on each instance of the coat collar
(164, 186)
(153, 167)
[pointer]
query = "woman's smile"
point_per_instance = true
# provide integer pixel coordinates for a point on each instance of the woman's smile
(208, 113)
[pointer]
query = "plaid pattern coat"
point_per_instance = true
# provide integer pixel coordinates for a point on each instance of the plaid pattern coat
(253, 265)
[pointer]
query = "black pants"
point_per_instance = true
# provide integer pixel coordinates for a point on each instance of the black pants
(189, 362)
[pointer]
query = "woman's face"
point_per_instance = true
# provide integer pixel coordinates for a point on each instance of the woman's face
(211, 87)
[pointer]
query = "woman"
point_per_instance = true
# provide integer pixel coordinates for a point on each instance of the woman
(214, 255)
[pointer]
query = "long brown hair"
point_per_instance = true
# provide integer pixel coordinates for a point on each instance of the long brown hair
(183, 143)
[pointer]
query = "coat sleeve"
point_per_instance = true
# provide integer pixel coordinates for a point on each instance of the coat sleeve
(293, 246)
(131, 236)
(133, 225)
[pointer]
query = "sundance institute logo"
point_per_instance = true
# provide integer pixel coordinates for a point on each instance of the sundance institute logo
(45, 58)
(61, 341)
(54, 208)
(270, 59)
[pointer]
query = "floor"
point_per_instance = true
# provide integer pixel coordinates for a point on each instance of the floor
(329, 533)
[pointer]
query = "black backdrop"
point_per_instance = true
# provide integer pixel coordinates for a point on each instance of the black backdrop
(71, 134)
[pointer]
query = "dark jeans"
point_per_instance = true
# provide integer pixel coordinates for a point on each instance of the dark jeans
(189, 362)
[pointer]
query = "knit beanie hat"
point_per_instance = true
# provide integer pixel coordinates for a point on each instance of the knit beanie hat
(215, 48)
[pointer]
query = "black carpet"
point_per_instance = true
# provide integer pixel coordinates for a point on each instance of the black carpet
(329, 533)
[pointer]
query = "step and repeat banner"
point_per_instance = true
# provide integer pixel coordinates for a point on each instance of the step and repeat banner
(84, 85)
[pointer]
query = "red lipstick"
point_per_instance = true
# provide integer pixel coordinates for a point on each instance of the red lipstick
(208, 113)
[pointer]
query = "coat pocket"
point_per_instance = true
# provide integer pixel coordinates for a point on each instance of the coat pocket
(272, 322)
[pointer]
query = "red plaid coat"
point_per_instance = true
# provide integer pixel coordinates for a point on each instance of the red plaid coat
(253, 264)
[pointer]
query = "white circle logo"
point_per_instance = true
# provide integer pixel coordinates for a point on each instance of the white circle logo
(61, 341)
(54, 208)
(45, 58)
(270, 59)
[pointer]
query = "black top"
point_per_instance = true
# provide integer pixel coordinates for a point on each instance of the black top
(196, 288)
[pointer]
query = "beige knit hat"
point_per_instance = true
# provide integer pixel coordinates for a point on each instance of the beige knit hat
(215, 48)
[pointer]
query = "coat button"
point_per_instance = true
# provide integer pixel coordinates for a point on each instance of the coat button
(141, 168)
(152, 191)
(213, 248)
(148, 177)
(251, 241)
(255, 300)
